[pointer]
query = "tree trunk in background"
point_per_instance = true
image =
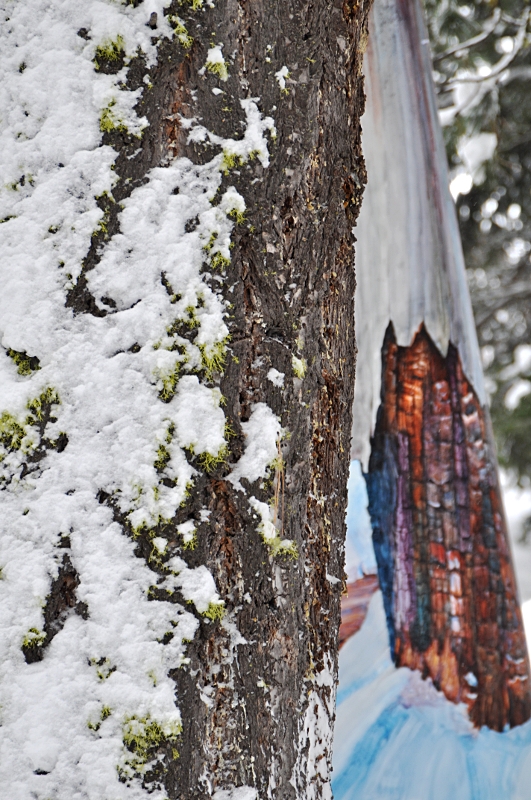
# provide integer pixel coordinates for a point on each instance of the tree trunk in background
(266, 223)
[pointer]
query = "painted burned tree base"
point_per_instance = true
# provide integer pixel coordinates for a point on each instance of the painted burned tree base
(439, 534)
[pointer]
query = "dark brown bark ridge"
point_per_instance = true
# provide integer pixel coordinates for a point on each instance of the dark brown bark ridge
(256, 682)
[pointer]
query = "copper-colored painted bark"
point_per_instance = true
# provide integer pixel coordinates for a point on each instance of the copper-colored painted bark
(441, 541)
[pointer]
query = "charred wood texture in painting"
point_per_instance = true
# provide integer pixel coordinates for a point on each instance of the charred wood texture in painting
(444, 563)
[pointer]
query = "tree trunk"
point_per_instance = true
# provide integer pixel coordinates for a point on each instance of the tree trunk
(178, 316)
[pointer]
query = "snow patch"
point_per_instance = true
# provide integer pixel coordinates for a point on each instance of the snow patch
(315, 737)
(281, 76)
(276, 377)
(262, 437)
(239, 793)
(197, 586)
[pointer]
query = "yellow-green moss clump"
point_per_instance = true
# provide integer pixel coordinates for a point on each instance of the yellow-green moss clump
(12, 433)
(189, 542)
(37, 406)
(104, 668)
(215, 611)
(16, 434)
(169, 383)
(104, 714)
(213, 358)
(25, 364)
(163, 458)
(142, 736)
(282, 547)
(239, 216)
(219, 261)
(109, 50)
(299, 366)
(195, 5)
(181, 32)
(218, 68)
(230, 161)
(34, 638)
(110, 122)
(210, 463)
(209, 245)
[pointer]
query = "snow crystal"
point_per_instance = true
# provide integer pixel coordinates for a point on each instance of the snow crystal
(270, 528)
(187, 531)
(262, 436)
(281, 76)
(197, 585)
(276, 377)
(200, 421)
(267, 525)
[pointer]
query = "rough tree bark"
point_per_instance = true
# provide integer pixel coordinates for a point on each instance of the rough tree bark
(294, 286)
(256, 695)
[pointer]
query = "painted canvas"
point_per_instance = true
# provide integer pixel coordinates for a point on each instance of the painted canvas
(434, 699)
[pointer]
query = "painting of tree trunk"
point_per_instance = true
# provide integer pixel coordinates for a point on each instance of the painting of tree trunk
(434, 682)
(440, 539)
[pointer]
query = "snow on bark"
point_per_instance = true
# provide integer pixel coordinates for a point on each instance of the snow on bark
(316, 737)
(85, 413)
(262, 433)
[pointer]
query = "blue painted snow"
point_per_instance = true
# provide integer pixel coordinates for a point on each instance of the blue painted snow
(397, 738)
